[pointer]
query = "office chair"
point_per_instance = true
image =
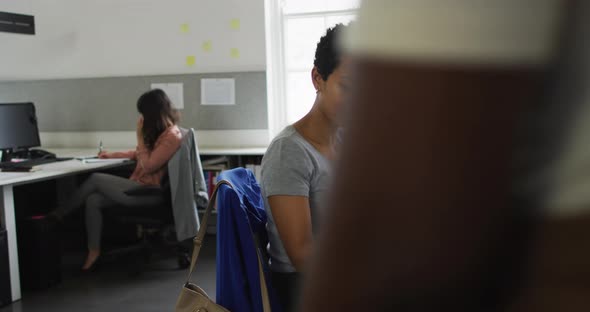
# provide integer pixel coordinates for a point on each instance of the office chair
(172, 219)
(154, 226)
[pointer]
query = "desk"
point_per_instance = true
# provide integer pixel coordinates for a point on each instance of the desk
(68, 168)
(7, 206)
(203, 151)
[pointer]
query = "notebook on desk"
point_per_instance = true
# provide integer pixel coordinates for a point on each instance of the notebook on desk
(86, 157)
(104, 160)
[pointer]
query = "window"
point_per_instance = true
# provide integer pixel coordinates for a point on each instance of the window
(293, 29)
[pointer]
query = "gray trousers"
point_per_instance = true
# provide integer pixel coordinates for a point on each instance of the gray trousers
(104, 191)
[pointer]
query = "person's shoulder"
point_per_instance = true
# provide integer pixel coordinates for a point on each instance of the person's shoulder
(172, 135)
(174, 132)
(287, 154)
(288, 149)
(288, 139)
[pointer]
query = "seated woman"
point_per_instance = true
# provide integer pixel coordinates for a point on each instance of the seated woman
(296, 171)
(158, 138)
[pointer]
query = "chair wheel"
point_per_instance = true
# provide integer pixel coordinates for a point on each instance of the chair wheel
(183, 261)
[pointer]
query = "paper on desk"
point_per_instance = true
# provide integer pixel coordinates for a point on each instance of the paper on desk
(86, 157)
(104, 160)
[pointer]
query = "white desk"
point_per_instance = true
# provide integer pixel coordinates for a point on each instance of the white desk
(203, 150)
(66, 168)
(7, 206)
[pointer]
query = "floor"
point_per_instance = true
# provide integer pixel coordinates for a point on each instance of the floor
(112, 288)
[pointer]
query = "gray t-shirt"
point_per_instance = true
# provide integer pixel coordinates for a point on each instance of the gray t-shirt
(292, 166)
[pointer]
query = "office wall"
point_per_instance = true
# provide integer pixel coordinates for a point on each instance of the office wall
(108, 104)
(90, 60)
(113, 38)
(16, 6)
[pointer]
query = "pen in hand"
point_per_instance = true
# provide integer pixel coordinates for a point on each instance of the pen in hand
(100, 147)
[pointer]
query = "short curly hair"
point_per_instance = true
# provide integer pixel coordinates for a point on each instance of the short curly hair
(327, 53)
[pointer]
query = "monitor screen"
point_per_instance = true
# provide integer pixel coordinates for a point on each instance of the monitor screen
(18, 126)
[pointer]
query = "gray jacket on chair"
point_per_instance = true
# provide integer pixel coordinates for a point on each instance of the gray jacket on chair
(187, 186)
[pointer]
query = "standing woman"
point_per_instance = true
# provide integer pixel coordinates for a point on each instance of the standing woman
(158, 138)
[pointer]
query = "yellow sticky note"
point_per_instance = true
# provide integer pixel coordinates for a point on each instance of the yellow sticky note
(190, 60)
(235, 24)
(207, 46)
(235, 53)
(184, 28)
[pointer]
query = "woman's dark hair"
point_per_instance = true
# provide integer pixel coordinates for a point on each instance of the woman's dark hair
(327, 53)
(157, 111)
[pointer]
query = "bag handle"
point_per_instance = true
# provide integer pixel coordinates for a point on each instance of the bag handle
(198, 243)
(198, 240)
(263, 287)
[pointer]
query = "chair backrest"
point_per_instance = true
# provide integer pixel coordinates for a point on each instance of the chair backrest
(241, 222)
(188, 190)
(164, 191)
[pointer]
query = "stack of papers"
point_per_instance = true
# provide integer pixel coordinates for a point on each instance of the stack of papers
(103, 160)
(86, 157)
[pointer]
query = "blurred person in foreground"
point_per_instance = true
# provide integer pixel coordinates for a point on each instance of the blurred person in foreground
(472, 144)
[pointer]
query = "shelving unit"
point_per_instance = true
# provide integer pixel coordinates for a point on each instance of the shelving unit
(215, 160)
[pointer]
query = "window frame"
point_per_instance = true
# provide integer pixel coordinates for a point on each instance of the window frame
(276, 65)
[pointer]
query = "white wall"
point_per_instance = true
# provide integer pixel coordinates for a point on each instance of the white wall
(106, 38)
(16, 6)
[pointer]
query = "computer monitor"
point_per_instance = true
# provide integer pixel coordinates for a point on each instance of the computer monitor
(18, 127)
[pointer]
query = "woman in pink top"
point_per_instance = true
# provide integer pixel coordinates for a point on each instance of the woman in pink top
(158, 138)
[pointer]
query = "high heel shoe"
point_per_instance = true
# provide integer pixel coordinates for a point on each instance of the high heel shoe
(93, 268)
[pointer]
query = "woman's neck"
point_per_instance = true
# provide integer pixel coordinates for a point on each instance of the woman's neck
(318, 130)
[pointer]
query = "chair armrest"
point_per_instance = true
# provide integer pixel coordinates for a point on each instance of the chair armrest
(145, 190)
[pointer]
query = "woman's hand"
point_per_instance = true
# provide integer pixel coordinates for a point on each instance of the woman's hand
(139, 131)
(103, 155)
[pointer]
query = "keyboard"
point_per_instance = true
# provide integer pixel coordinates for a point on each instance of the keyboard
(27, 165)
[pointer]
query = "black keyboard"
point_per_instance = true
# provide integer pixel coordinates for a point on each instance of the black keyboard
(26, 165)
